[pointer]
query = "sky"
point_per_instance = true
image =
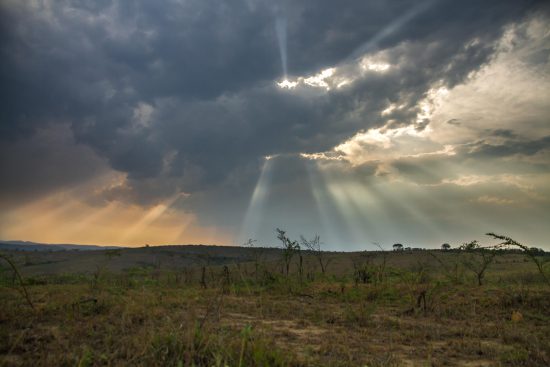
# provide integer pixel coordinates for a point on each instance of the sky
(210, 122)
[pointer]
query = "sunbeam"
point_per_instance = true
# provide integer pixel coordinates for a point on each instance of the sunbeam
(321, 202)
(96, 216)
(401, 204)
(390, 29)
(254, 213)
(280, 29)
(153, 214)
(48, 210)
(354, 205)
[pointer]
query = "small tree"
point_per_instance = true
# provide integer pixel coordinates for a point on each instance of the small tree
(290, 248)
(445, 247)
(535, 254)
(397, 247)
(479, 258)
(314, 245)
(381, 270)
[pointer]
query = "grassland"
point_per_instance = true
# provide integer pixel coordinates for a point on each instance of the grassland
(208, 306)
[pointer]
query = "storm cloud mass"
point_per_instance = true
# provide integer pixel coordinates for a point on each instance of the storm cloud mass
(419, 122)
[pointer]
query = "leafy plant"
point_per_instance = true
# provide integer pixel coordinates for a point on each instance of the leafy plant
(478, 258)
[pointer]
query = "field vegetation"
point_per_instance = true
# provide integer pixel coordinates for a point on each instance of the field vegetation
(468, 305)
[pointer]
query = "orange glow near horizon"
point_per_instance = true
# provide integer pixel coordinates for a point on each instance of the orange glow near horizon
(61, 218)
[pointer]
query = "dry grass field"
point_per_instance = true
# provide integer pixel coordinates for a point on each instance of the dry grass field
(217, 306)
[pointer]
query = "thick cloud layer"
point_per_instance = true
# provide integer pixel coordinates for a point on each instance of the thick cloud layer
(182, 97)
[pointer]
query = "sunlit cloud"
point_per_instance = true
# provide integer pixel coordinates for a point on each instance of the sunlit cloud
(386, 143)
(319, 79)
(326, 156)
(377, 67)
(336, 77)
(391, 108)
(446, 118)
(434, 99)
(486, 199)
(521, 182)
(287, 84)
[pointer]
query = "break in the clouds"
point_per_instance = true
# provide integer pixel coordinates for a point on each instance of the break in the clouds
(418, 122)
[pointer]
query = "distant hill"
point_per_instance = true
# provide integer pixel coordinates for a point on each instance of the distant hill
(68, 259)
(33, 246)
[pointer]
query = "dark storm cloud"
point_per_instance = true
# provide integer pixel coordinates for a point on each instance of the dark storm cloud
(508, 148)
(49, 160)
(206, 71)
